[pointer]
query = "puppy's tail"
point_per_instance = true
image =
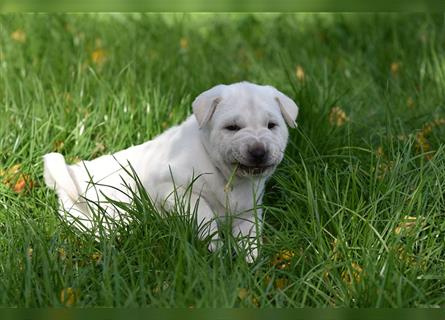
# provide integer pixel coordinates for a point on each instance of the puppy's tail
(57, 175)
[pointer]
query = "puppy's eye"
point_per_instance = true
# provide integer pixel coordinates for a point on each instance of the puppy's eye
(232, 127)
(271, 125)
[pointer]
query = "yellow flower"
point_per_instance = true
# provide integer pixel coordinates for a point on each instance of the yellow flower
(99, 56)
(19, 36)
(326, 274)
(407, 225)
(29, 252)
(13, 170)
(287, 254)
(184, 43)
(96, 257)
(283, 259)
(379, 152)
(404, 256)
(281, 283)
(255, 301)
(20, 184)
(299, 73)
(15, 180)
(383, 168)
(68, 296)
(58, 145)
(354, 275)
(242, 293)
(410, 102)
(337, 117)
(395, 67)
(423, 144)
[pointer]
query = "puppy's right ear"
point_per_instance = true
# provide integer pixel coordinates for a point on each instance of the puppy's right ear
(205, 104)
(288, 108)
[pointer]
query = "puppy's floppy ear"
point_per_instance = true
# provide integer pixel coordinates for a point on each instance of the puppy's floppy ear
(288, 108)
(205, 104)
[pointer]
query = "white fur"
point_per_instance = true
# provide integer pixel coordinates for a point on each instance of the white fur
(201, 145)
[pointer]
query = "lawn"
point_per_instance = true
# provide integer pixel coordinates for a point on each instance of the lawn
(354, 214)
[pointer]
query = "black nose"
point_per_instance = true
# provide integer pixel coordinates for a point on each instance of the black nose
(257, 152)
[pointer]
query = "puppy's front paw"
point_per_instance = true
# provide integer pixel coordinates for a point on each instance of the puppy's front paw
(215, 244)
(252, 255)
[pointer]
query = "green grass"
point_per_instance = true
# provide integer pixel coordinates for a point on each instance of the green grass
(87, 85)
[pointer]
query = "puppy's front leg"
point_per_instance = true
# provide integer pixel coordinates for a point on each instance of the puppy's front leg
(205, 217)
(247, 228)
(206, 221)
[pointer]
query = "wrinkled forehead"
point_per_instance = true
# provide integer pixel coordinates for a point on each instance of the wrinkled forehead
(248, 105)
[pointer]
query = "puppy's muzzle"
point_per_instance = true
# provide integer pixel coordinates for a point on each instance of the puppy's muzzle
(256, 161)
(257, 154)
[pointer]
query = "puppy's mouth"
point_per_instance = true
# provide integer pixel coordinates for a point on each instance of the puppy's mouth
(252, 170)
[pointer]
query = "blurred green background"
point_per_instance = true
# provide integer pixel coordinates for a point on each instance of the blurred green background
(220, 6)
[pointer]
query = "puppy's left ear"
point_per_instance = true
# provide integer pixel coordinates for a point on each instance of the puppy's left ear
(205, 104)
(288, 108)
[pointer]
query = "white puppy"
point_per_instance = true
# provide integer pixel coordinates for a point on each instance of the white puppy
(233, 142)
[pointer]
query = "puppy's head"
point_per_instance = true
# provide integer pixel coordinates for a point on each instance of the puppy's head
(244, 125)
